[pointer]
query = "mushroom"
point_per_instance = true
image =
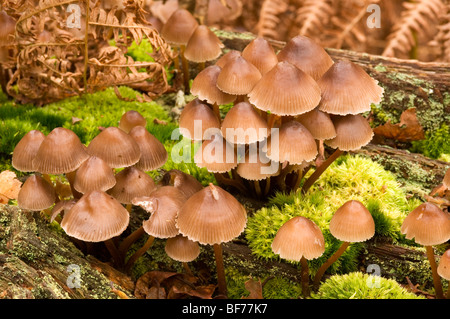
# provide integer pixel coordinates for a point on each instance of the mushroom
(224, 59)
(428, 225)
(186, 183)
(94, 174)
(36, 194)
(153, 153)
(163, 205)
(212, 216)
(203, 46)
(216, 155)
(339, 94)
(299, 239)
(131, 119)
(443, 269)
(446, 180)
(182, 249)
(197, 121)
(26, 150)
(260, 53)
(352, 222)
(176, 31)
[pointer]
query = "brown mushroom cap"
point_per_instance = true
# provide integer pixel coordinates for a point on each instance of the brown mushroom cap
(132, 182)
(292, 143)
(153, 153)
(96, 217)
(347, 89)
(198, 121)
(179, 27)
(238, 76)
(352, 222)
(299, 237)
(243, 125)
(257, 167)
(427, 224)
(446, 180)
(260, 53)
(60, 152)
(26, 150)
(224, 59)
(36, 194)
(204, 86)
(216, 155)
(94, 174)
(186, 183)
(163, 205)
(131, 119)
(352, 132)
(203, 45)
(182, 249)
(115, 147)
(285, 90)
(443, 268)
(211, 216)
(306, 55)
(318, 123)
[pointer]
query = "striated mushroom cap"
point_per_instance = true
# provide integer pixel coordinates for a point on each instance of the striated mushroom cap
(203, 45)
(36, 194)
(26, 150)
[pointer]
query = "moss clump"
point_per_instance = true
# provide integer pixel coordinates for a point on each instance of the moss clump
(350, 177)
(357, 285)
(435, 144)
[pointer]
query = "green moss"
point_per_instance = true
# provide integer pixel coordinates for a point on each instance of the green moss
(349, 177)
(435, 144)
(357, 285)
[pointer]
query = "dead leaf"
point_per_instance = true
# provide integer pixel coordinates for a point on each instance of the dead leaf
(9, 186)
(75, 120)
(255, 288)
(407, 130)
(159, 122)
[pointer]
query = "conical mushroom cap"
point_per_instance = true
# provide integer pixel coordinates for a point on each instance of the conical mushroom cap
(198, 121)
(238, 76)
(352, 132)
(446, 180)
(299, 237)
(60, 152)
(352, 222)
(204, 86)
(131, 182)
(347, 89)
(306, 55)
(186, 183)
(260, 53)
(211, 216)
(163, 205)
(96, 217)
(131, 119)
(443, 268)
(115, 147)
(244, 125)
(26, 150)
(203, 45)
(216, 155)
(179, 27)
(318, 123)
(182, 249)
(285, 90)
(36, 194)
(224, 59)
(292, 143)
(94, 174)
(427, 224)
(257, 167)
(153, 153)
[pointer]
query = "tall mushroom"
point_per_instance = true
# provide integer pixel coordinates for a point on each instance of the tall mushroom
(352, 222)
(428, 225)
(299, 239)
(203, 46)
(212, 216)
(153, 153)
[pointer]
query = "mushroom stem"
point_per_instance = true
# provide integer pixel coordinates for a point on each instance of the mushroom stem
(267, 187)
(221, 280)
(130, 239)
(281, 179)
(328, 263)
(185, 65)
(216, 111)
(272, 119)
(298, 179)
(113, 251)
(257, 189)
(319, 170)
(305, 277)
(230, 182)
(139, 253)
(436, 277)
(187, 269)
(71, 178)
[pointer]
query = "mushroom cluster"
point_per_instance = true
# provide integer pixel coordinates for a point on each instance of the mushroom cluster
(285, 106)
(103, 177)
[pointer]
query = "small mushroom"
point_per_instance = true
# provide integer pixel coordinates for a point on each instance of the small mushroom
(260, 53)
(446, 180)
(428, 225)
(216, 155)
(131, 119)
(203, 46)
(299, 239)
(94, 174)
(36, 194)
(26, 150)
(352, 222)
(186, 183)
(182, 249)
(443, 269)
(212, 216)
(153, 153)
(197, 121)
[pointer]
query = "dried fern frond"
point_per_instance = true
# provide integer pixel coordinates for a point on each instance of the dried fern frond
(443, 37)
(312, 17)
(417, 19)
(268, 18)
